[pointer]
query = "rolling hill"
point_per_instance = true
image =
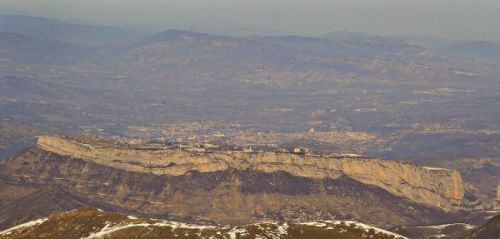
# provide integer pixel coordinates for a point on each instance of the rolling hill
(94, 223)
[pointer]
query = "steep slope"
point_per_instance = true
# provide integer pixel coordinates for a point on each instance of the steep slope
(39, 203)
(20, 202)
(92, 223)
(490, 230)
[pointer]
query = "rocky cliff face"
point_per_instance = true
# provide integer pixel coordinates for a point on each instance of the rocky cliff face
(234, 187)
(434, 187)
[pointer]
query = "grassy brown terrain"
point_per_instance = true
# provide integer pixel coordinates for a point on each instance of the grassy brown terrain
(93, 223)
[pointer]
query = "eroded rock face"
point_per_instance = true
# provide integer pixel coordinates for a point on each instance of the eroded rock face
(436, 187)
(230, 196)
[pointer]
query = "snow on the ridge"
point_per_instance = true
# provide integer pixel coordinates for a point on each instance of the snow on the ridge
(315, 224)
(434, 168)
(368, 227)
(273, 230)
(283, 229)
(233, 232)
(443, 226)
(469, 227)
(356, 224)
(109, 228)
(24, 225)
(440, 236)
(278, 232)
(182, 225)
(493, 211)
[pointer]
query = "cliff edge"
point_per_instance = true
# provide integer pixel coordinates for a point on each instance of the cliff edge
(436, 187)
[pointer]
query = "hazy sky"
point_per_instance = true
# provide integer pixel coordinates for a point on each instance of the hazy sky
(457, 19)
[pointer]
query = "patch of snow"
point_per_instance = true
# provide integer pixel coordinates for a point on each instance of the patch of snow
(283, 229)
(175, 225)
(440, 236)
(469, 227)
(315, 224)
(443, 226)
(367, 228)
(109, 228)
(24, 225)
(233, 232)
(434, 168)
(280, 231)
(268, 229)
(492, 211)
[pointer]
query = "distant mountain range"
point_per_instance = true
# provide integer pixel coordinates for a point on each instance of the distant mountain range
(477, 49)
(56, 30)
(28, 49)
(86, 34)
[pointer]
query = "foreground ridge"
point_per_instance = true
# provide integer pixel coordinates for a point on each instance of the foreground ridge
(90, 223)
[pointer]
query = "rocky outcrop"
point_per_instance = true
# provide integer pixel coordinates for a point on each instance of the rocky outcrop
(229, 196)
(436, 187)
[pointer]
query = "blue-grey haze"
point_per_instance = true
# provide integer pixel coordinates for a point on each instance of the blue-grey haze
(453, 19)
